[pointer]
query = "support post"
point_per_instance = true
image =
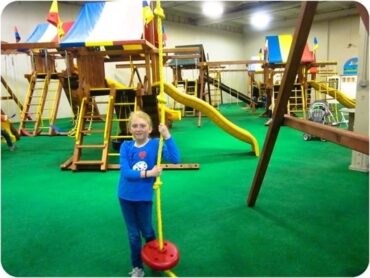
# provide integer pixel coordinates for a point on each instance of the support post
(302, 30)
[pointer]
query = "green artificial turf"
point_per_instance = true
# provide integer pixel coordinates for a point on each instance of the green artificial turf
(310, 219)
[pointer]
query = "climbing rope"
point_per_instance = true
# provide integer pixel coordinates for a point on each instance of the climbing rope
(158, 11)
(162, 249)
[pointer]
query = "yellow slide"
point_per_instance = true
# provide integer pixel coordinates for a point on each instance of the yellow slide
(338, 95)
(213, 114)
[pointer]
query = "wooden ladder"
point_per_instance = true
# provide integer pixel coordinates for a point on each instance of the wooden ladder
(51, 104)
(215, 91)
(82, 131)
(12, 95)
(34, 104)
(125, 103)
(191, 88)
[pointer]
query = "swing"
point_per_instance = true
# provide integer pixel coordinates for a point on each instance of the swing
(160, 259)
(159, 254)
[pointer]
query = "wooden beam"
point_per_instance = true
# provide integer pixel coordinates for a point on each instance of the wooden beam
(181, 166)
(182, 50)
(228, 70)
(346, 138)
(301, 33)
(180, 56)
(8, 46)
(11, 93)
(128, 66)
(237, 62)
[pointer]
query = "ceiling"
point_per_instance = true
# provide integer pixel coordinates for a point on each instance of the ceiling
(237, 13)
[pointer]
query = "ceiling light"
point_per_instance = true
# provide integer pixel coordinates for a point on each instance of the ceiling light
(213, 9)
(260, 20)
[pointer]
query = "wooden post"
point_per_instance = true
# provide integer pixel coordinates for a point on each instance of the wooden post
(294, 59)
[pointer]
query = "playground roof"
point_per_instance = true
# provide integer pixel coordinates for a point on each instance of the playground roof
(106, 24)
(278, 47)
(46, 32)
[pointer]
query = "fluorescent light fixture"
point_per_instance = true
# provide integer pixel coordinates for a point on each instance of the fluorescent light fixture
(260, 20)
(213, 9)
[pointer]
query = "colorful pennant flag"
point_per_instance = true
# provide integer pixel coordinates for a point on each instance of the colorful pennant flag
(164, 35)
(147, 12)
(260, 54)
(53, 18)
(315, 43)
(16, 34)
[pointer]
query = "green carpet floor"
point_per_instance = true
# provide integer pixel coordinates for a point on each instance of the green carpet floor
(311, 217)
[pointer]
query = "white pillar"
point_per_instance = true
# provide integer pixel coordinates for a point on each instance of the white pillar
(360, 162)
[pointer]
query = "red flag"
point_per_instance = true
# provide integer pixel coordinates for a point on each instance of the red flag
(53, 18)
(53, 15)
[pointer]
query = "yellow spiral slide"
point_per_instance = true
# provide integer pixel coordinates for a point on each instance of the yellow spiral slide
(213, 114)
(338, 95)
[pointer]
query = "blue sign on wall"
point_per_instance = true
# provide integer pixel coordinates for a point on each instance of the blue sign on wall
(351, 66)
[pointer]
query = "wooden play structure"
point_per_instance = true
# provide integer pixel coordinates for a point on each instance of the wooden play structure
(101, 106)
(355, 141)
(40, 106)
(208, 80)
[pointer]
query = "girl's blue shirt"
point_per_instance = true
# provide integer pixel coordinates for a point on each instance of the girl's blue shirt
(134, 159)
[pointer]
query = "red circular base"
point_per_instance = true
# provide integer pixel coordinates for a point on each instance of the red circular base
(160, 259)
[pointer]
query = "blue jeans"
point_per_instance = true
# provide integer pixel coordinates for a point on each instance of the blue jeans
(138, 218)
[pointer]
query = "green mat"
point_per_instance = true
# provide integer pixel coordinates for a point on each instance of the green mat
(311, 217)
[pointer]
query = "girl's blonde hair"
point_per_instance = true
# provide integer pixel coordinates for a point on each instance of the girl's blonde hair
(142, 115)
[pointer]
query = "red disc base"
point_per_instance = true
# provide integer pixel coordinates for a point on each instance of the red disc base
(160, 260)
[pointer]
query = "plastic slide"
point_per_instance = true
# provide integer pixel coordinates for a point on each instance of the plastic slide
(338, 95)
(213, 114)
(116, 84)
(229, 90)
(174, 115)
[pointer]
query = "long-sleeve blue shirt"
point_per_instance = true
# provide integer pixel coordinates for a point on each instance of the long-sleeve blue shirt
(134, 159)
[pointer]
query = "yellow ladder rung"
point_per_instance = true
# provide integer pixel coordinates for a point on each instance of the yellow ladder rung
(90, 146)
(124, 103)
(88, 162)
(120, 136)
(86, 131)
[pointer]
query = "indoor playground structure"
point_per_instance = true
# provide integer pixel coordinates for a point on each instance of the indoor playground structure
(309, 75)
(101, 106)
(86, 47)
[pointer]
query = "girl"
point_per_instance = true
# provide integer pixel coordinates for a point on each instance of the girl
(138, 160)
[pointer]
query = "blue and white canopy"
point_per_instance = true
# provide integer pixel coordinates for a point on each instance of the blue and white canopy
(106, 24)
(46, 32)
